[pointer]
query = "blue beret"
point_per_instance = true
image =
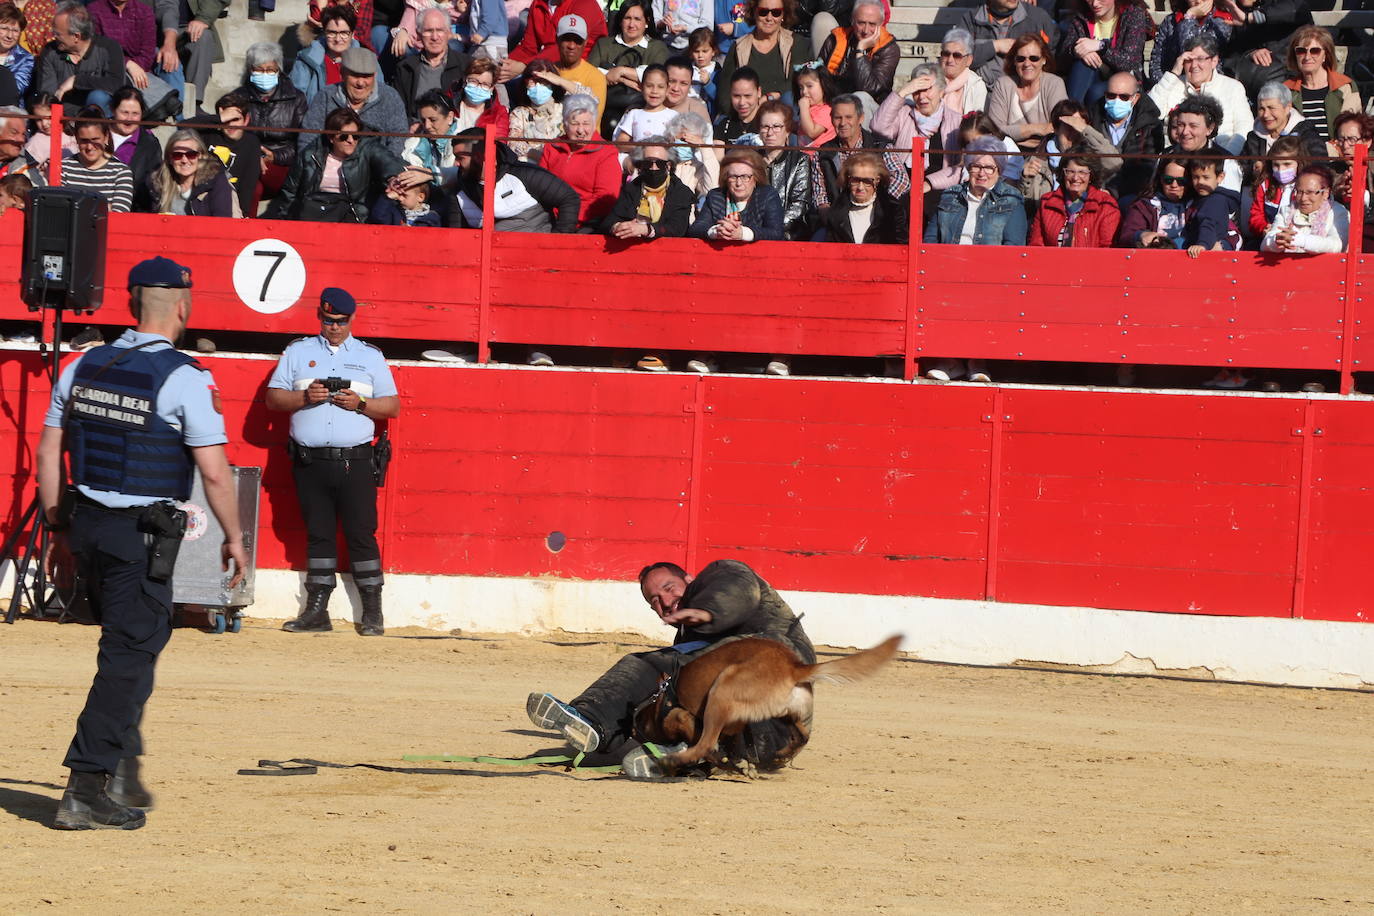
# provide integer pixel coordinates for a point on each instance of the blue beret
(162, 272)
(338, 300)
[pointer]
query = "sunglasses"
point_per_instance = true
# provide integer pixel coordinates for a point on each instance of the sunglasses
(866, 182)
(346, 138)
(1172, 179)
(651, 165)
(952, 55)
(333, 319)
(774, 12)
(1123, 96)
(177, 155)
(1312, 51)
(1028, 58)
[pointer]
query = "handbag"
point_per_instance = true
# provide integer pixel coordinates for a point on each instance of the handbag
(327, 207)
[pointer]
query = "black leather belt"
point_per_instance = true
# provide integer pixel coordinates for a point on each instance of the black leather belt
(337, 454)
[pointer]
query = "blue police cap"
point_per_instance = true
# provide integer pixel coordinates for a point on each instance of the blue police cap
(160, 271)
(338, 300)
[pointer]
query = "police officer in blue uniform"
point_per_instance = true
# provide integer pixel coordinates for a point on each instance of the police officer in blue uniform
(135, 419)
(335, 386)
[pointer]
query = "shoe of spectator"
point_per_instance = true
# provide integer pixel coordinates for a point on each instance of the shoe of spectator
(778, 367)
(704, 366)
(205, 345)
(1270, 385)
(87, 339)
(938, 375)
(540, 359)
(443, 356)
(944, 370)
(1227, 379)
(1313, 388)
(979, 377)
(23, 337)
(652, 363)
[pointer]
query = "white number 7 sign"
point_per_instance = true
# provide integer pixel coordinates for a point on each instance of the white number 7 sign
(269, 276)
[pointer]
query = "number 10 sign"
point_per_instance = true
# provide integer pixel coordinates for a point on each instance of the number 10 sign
(269, 276)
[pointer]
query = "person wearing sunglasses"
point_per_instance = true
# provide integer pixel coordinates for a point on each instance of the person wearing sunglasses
(1187, 20)
(94, 167)
(1260, 37)
(190, 182)
(1023, 97)
(336, 180)
(1100, 38)
(1130, 122)
(995, 25)
(1195, 74)
(864, 215)
(1324, 93)
(864, 56)
(332, 426)
(653, 204)
(770, 50)
(1156, 218)
(965, 90)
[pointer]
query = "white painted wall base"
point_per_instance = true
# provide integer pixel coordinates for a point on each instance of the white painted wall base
(1297, 652)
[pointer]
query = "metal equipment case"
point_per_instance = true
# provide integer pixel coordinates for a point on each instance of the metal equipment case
(199, 579)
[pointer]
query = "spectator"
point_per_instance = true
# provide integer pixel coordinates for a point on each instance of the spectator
(1156, 218)
(863, 58)
(745, 208)
(1352, 130)
(405, 206)
(1103, 37)
(622, 59)
(368, 33)
(78, 66)
(274, 106)
(678, 19)
(490, 27)
(13, 159)
(377, 105)
(768, 50)
(1078, 213)
(1311, 224)
(1022, 99)
(696, 166)
(238, 149)
(651, 118)
(983, 210)
(1276, 117)
(849, 136)
(996, 26)
(528, 198)
(408, 37)
(654, 204)
(1210, 224)
(1130, 122)
(38, 32)
(134, 146)
(93, 168)
(1071, 130)
(731, 23)
(14, 192)
(977, 124)
(1187, 20)
(133, 26)
(589, 168)
(544, 32)
(479, 106)
(745, 98)
(318, 64)
(863, 213)
(1193, 130)
(814, 89)
(1259, 39)
(1195, 73)
(572, 41)
(789, 171)
(13, 56)
(39, 146)
(336, 177)
(1324, 93)
(432, 149)
(190, 44)
(385, 16)
(917, 110)
(1275, 182)
(965, 90)
(703, 51)
(680, 98)
(542, 118)
(436, 66)
(190, 181)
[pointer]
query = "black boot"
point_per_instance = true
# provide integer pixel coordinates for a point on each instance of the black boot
(372, 611)
(125, 788)
(85, 806)
(315, 617)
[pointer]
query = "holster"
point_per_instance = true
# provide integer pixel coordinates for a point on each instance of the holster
(166, 524)
(66, 507)
(299, 456)
(381, 457)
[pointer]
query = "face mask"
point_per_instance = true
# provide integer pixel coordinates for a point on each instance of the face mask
(1117, 109)
(1285, 176)
(538, 93)
(683, 153)
(264, 81)
(654, 180)
(476, 95)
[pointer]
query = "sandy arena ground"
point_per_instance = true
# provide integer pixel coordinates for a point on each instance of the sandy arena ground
(930, 789)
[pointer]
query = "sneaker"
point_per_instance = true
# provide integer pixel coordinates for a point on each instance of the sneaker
(979, 377)
(938, 375)
(87, 339)
(205, 345)
(704, 366)
(777, 367)
(540, 359)
(23, 337)
(641, 761)
(1227, 379)
(547, 711)
(652, 363)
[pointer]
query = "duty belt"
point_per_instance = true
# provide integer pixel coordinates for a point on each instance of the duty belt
(83, 500)
(328, 453)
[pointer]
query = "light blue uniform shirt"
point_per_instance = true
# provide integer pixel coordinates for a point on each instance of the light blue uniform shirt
(327, 425)
(188, 401)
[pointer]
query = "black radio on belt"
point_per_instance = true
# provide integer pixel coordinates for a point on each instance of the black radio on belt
(334, 383)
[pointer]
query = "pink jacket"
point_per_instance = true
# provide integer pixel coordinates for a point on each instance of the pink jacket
(897, 119)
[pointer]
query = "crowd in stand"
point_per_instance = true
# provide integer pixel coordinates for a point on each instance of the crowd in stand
(1043, 124)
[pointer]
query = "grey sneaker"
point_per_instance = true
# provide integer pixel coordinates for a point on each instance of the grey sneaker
(547, 711)
(641, 761)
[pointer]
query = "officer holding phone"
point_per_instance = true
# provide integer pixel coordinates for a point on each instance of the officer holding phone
(135, 419)
(335, 386)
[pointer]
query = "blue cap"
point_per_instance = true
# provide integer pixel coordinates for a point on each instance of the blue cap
(160, 271)
(338, 300)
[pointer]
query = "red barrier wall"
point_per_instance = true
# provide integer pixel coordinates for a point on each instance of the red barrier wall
(1232, 505)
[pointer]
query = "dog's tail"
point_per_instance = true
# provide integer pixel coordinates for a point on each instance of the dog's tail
(854, 667)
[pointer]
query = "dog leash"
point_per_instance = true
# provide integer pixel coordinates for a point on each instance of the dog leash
(304, 766)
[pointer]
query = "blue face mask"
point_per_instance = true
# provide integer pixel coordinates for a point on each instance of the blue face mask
(538, 93)
(476, 95)
(683, 153)
(1118, 109)
(264, 81)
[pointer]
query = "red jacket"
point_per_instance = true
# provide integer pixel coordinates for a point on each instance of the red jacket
(495, 117)
(594, 172)
(541, 33)
(1095, 227)
(1263, 207)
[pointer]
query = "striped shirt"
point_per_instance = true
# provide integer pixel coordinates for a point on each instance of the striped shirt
(1314, 109)
(112, 181)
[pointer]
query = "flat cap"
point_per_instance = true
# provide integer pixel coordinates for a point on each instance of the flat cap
(359, 60)
(162, 272)
(338, 301)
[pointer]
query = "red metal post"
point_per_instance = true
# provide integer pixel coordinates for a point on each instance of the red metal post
(1304, 522)
(55, 147)
(1358, 184)
(698, 409)
(484, 266)
(997, 418)
(913, 255)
